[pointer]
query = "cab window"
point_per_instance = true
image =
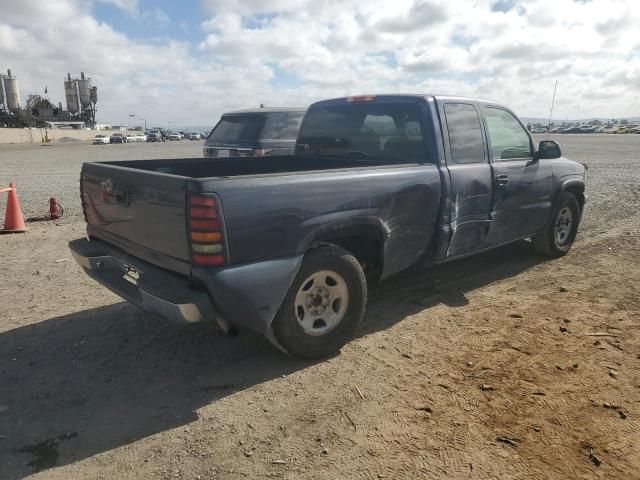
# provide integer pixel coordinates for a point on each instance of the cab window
(509, 140)
(465, 133)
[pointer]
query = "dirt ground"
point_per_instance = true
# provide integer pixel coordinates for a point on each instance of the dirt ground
(506, 365)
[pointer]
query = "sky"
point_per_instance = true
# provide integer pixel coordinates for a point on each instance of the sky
(189, 61)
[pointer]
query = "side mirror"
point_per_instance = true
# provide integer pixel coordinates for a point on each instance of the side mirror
(547, 150)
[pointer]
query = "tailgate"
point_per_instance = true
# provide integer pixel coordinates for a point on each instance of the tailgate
(135, 208)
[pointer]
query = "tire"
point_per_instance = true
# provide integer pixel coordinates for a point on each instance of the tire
(558, 236)
(324, 305)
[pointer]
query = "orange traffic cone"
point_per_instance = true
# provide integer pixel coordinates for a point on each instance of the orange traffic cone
(13, 218)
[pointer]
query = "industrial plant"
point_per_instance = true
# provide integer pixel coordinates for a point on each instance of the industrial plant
(81, 98)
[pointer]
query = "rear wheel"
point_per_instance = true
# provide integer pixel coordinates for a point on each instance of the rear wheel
(324, 305)
(558, 237)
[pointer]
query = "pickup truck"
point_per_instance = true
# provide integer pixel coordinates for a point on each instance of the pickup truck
(287, 245)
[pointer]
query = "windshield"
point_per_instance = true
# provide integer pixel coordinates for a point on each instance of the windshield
(259, 126)
(385, 132)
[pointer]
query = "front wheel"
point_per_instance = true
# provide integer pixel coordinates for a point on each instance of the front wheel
(558, 237)
(324, 305)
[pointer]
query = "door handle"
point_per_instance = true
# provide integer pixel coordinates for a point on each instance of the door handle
(502, 179)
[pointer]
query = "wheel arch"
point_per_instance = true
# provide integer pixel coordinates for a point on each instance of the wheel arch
(365, 240)
(576, 187)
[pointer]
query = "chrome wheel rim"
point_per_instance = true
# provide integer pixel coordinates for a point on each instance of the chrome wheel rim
(564, 222)
(321, 302)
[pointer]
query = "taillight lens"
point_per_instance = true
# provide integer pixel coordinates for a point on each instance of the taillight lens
(361, 98)
(206, 232)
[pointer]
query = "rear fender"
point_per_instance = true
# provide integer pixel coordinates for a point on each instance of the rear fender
(341, 225)
(250, 295)
(345, 223)
(402, 242)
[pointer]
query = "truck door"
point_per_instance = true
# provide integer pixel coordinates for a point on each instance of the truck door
(522, 187)
(471, 177)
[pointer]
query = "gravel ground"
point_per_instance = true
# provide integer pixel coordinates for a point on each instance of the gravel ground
(613, 181)
(504, 365)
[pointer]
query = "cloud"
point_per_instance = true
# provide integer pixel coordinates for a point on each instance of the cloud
(285, 52)
(421, 15)
(156, 15)
(250, 7)
(129, 6)
(612, 25)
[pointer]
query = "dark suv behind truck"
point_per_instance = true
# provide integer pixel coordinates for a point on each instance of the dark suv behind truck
(287, 245)
(258, 132)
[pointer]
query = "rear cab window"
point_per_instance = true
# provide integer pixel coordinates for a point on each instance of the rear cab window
(384, 132)
(465, 133)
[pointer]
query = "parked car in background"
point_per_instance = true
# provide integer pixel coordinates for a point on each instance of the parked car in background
(101, 140)
(539, 130)
(154, 137)
(172, 137)
(141, 137)
(118, 138)
(288, 245)
(255, 132)
(580, 129)
(619, 129)
(131, 138)
(194, 136)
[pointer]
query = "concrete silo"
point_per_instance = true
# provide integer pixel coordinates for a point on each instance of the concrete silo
(71, 95)
(84, 91)
(12, 90)
(1, 94)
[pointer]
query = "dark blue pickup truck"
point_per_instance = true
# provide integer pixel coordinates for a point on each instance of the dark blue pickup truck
(286, 245)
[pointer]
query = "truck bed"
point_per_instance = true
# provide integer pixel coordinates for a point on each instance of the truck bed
(242, 166)
(140, 206)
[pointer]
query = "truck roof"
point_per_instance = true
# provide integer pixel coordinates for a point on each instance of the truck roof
(398, 96)
(266, 110)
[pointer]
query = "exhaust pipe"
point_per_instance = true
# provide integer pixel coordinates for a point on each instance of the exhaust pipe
(226, 327)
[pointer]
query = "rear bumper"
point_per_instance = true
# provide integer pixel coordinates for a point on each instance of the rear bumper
(246, 295)
(154, 289)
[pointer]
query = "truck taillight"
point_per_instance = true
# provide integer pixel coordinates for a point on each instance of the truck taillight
(361, 98)
(261, 152)
(206, 232)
